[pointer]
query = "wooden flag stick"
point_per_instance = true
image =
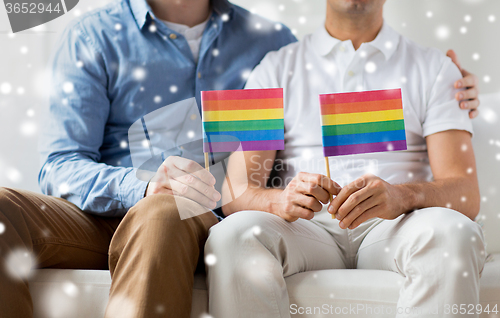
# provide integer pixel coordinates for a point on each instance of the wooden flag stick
(207, 163)
(227, 180)
(327, 163)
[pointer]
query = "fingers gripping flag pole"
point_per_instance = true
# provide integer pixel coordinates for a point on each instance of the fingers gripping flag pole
(362, 122)
(242, 120)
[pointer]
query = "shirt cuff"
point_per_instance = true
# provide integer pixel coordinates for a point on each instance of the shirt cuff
(132, 189)
(466, 125)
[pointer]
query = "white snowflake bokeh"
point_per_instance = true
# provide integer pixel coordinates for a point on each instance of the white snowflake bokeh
(63, 188)
(370, 67)
(5, 88)
(160, 309)
(28, 128)
(68, 87)
(14, 175)
(443, 32)
(139, 73)
(210, 259)
(245, 74)
(70, 289)
(19, 263)
(256, 230)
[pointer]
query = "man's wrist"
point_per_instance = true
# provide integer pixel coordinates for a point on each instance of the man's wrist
(410, 197)
(273, 204)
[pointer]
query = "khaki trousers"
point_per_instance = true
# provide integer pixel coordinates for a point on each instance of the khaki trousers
(152, 254)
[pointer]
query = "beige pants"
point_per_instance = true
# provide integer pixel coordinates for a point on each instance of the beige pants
(439, 252)
(152, 253)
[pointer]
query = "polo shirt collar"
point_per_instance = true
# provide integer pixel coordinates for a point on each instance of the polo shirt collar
(141, 10)
(387, 41)
(323, 42)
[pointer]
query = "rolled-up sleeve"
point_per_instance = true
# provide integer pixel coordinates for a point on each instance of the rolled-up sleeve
(73, 132)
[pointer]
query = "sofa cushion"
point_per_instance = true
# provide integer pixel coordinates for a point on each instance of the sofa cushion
(375, 289)
(63, 293)
(84, 293)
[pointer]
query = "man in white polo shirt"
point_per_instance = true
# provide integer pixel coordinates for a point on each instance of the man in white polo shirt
(410, 212)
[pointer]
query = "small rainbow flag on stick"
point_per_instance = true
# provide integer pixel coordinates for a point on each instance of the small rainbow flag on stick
(362, 122)
(243, 120)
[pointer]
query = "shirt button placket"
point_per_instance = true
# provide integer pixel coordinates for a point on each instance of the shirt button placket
(352, 77)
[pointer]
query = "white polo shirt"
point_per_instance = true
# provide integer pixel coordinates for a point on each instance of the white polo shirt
(321, 64)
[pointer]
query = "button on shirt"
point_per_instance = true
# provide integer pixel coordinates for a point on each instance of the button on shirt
(321, 64)
(192, 35)
(119, 63)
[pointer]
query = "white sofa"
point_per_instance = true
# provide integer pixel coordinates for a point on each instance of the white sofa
(84, 293)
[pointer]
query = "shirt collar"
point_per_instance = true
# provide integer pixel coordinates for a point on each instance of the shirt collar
(141, 10)
(323, 42)
(222, 6)
(386, 41)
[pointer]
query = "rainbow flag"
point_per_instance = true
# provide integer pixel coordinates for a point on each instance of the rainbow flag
(243, 120)
(362, 122)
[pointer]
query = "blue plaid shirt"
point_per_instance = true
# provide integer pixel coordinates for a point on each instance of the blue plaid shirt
(117, 64)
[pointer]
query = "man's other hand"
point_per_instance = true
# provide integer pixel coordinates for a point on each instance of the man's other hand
(365, 198)
(468, 98)
(303, 196)
(184, 177)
